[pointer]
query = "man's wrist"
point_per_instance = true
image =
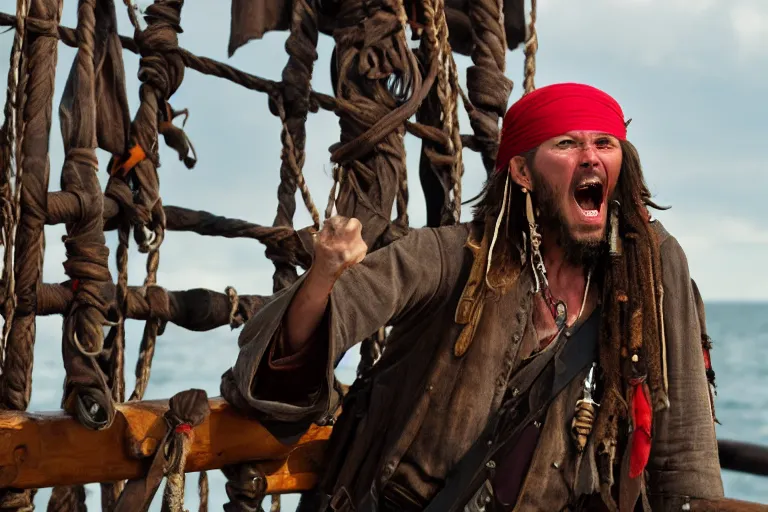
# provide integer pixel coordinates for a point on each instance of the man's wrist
(319, 283)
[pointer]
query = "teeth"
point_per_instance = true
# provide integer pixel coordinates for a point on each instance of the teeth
(590, 213)
(589, 183)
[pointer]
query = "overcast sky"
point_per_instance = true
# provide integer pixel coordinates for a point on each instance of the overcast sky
(690, 73)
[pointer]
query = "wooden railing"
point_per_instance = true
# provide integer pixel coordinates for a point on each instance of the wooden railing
(39, 450)
(44, 450)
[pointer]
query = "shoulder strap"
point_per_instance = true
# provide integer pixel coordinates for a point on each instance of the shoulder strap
(570, 356)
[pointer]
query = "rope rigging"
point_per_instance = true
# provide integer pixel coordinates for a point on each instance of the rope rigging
(380, 83)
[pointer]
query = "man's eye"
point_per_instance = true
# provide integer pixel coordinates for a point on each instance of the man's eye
(567, 143)
(604, 143)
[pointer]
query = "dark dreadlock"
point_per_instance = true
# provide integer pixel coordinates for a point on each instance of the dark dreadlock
(631, 297)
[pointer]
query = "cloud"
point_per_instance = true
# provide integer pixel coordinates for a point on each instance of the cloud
(700, 37)
(749, 22)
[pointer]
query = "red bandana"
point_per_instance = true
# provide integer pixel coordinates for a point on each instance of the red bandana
(555, 110)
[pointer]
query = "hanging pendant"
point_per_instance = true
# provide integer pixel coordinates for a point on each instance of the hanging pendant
(586, 411)
(561, 314)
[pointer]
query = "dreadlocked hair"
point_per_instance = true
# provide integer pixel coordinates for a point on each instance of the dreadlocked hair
(490, 199)
(631, 334)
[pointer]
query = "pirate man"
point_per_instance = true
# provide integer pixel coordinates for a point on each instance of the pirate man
(545, 355)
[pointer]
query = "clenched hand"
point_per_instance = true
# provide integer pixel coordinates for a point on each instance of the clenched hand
(338, 246)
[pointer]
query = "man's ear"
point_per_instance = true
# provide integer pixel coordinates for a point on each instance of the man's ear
(520, 173)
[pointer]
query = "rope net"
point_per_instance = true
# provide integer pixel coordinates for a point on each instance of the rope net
(384, 88)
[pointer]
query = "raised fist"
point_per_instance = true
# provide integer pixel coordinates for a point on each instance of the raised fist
(338, 246)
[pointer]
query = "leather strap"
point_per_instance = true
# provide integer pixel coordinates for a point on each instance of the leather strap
(569, 357)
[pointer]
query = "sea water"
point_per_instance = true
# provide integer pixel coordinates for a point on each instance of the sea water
(186, 359)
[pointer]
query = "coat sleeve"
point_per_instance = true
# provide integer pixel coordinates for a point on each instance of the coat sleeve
(391, 284)
(684, 459)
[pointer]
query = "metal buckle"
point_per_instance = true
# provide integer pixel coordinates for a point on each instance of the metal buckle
(481, 499)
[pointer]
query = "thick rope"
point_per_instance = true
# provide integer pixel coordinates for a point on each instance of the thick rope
(121, 257)
(110, 492)
(197, 309)
(152, 328)
(26, 132)
(212, 67)
(487, 87)
(87, 393)
(12, 157)
(203, 491)
(162, 75)
(131, 9)
(187, 410)
(531, 46)
(371, 152)
(67, 499)
(441, 166)
(26, 128)
(158, 38)
(447, 94)
(292, 106)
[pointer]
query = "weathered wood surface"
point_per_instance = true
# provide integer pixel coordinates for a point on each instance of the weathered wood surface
(40, 450)
(43, 450)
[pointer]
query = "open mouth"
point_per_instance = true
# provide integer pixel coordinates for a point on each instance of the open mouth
(589, 197)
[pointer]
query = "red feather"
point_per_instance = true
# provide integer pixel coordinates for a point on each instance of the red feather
(641, 436)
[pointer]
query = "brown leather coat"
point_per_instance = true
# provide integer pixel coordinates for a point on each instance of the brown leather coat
(425, 406)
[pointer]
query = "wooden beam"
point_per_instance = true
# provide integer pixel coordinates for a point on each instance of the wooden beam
(726, 505)
(42, 450)
(745, 457)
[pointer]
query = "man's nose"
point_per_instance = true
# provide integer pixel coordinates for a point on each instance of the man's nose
(588, 156)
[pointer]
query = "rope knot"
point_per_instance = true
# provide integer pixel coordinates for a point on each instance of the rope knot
(235, 315)
(183, 428)
(161, 65)
(187, 410)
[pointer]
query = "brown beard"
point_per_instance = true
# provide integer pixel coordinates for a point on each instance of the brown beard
(552, 221)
